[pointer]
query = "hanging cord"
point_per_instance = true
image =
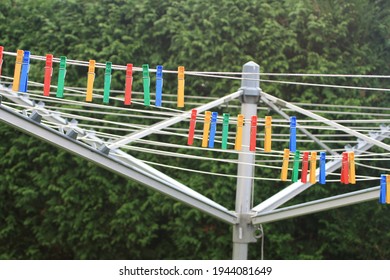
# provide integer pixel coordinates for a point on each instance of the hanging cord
(259, 233)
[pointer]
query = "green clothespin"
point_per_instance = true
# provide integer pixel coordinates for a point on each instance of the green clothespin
(107, 82)
(225, 130)
(61, 77)
(146, 77)
(294, 177)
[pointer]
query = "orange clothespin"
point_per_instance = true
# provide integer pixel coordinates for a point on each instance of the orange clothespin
(48, 74)
(91, 79)
(313, 166)
(253, 136)
(352, 174)
(18, 68)
(387, 189)
(180, 87)
(284, 172)
(267, 135)
(206, 129)
(238, 142)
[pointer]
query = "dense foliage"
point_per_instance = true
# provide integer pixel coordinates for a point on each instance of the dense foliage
(56, 206)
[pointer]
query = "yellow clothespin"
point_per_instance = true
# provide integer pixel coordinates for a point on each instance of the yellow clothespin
(286, 158)
(18, 68)
(313, 166)
(206, 129)
(352, 174)
(240, 123)
(267, 135)
(91, 79)
(387, 189)
(180, 87)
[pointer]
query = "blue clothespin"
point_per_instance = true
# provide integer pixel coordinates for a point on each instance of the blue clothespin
(322, 179)
(159, 85)
(213, 129)
(293, 134)
(382, 193)
(24, 72)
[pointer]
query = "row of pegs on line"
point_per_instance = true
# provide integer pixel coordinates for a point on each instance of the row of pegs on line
(210, 129)
(347, 175)
(384, 194)
(22, 66)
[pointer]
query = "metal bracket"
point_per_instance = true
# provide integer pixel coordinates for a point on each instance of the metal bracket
(244, 231)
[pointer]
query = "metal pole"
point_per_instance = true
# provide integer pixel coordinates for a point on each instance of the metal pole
(243, 233)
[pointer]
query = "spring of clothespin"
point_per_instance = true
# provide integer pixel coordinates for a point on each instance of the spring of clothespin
(48, 74)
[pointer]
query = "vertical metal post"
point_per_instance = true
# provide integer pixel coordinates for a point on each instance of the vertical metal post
(243, 233)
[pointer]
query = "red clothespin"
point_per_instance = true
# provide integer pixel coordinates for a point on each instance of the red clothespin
(191, 131)
(48, 74)
(252, 145)
(305, 167)
(344, 179)
(129, 83)
(1, 57)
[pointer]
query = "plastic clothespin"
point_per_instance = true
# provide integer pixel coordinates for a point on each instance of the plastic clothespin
(191, 131)
(61, 77)
(293, 133)
(267, 135)
(286, 156)
(352, 173)
(322, 178)
(180, 86)
(24, 72)
(48, 74)
(344, 169)
(305, 167)
(213, 129)
(159, 85)
(107, 82)
(18, 68)
(294, 177)
(146, 82)
(206, 128)
(91, 79)
(253, 136)
(388, 189)
(238, 142)
(129, 83)
(313, 166)
(383, 190)
(1, 58)
(225, 130)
